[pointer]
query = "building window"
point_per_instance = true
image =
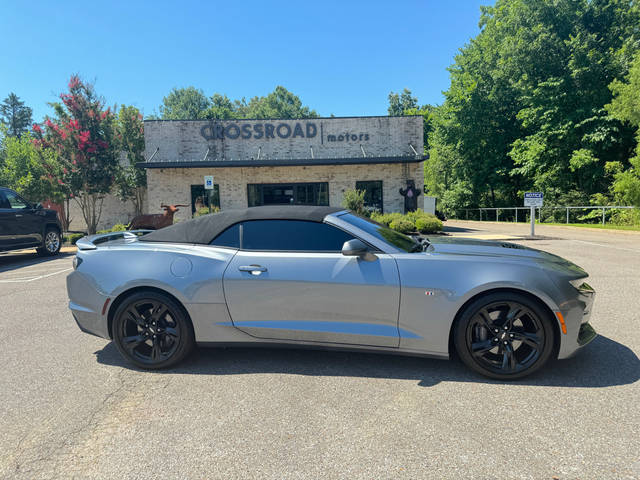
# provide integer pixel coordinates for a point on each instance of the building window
(201, 198)
(372, 194)
(288, 194)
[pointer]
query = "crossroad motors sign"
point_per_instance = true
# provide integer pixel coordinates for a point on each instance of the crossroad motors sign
(267, 130)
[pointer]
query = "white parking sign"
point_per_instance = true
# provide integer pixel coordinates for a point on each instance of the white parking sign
(208, 182)
(533, 199)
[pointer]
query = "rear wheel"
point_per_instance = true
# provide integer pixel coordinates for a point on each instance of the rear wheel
(152, 331)
(504, 335)
(52, 243)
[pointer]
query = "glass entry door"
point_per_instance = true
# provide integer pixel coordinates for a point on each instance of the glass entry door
(288, 194)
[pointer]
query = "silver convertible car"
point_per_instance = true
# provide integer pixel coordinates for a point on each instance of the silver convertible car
(325, 277)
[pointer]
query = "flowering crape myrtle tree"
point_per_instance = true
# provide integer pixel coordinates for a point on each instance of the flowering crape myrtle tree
(82, 134)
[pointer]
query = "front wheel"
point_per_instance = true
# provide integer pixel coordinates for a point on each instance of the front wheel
(504, 335)
(52, 243)
(152, 331)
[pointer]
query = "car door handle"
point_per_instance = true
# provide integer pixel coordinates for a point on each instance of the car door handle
(18, 215)
(252, 269)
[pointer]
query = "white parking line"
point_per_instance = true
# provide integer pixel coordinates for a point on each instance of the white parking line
(31, 279)
(608, 246)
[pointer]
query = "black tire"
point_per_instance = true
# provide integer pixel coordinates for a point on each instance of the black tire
(51, 244)
(504, 335)
(152, 331)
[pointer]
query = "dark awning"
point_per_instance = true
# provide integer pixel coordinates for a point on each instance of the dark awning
(283, 162)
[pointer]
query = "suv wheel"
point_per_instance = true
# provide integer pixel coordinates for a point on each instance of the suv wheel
(52, 243)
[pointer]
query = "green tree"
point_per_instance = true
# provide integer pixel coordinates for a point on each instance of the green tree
(130, 179)
(525, 108)
(82, 135)
(187, 103)
(280, 103)
(192, 104)
(15, 115)
(399, 103)
(625, 106)
(222, 108)
(23, 169)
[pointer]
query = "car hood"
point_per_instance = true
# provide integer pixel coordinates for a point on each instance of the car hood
(506, 250)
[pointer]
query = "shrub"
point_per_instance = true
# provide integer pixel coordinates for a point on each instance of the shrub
(402, 225)
(383, 218)
(428, 224)
(354, 200)
(118, 227)
(625, 217)
(205, 211)
(72, 238)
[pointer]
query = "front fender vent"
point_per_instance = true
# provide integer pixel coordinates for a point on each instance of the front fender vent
(512, 245)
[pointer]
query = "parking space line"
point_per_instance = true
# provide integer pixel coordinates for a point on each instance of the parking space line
(608, 246)
(31, 279)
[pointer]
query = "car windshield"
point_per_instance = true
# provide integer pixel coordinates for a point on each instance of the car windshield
(397, 239)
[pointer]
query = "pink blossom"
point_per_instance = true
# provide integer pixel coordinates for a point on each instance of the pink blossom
(74, 82)
(83, 139)
(36, 128)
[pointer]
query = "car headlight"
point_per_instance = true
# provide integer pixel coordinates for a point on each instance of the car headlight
(582, 286)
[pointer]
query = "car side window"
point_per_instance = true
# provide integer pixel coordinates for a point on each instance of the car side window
(292, 236)
(15, 201)
(229, 238)
(4, 203)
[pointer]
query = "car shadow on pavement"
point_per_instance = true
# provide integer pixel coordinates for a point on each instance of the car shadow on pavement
(603, 363)
(13, 261)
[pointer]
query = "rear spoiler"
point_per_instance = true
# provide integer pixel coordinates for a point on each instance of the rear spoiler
(91, 242)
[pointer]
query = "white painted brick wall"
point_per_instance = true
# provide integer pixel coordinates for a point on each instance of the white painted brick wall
(183, 140)
(173, 185)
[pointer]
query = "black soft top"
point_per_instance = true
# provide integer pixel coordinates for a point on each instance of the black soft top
(202, 230)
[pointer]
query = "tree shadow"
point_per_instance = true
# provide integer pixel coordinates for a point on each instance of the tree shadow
(603, 363)
(15, 260)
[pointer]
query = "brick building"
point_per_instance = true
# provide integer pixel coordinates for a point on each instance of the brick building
(302, 161)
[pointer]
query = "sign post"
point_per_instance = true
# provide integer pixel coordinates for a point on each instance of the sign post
(533, 200)
(208, 186)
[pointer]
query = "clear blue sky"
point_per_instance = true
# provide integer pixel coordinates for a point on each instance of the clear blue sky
(341, 57)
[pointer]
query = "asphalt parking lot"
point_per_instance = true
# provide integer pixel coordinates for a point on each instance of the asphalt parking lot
(71, 408)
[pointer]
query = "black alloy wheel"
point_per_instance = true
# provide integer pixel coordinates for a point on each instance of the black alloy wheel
(152, 331)
(52, 243)
(504, 336)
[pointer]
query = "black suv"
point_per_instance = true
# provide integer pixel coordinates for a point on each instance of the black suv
(23, 225)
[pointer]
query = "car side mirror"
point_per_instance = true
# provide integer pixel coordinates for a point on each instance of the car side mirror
(357, 248)
(38, 206)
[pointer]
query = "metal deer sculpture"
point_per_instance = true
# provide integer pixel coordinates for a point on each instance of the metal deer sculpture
(155, 221)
